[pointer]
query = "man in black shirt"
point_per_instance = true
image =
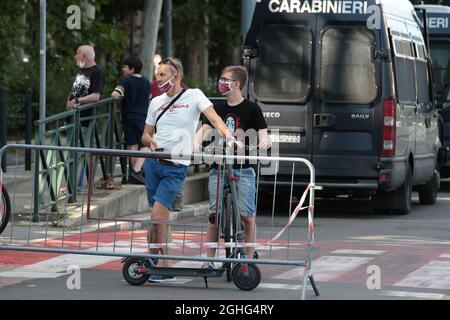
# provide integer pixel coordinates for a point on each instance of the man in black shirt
(134, 93)
(247, 124)
(88, 84)
(87, 88)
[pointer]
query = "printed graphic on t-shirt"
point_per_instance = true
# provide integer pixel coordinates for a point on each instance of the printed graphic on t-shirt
(173, 110)
(232, 122)
(81, 86)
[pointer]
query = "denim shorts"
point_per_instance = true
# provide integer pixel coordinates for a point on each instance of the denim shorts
(163, 182)
(246, 190)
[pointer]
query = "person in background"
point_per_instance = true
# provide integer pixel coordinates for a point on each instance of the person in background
(86, 88)
(132, 91)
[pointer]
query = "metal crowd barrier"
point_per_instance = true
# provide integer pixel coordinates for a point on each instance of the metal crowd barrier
(125, 237)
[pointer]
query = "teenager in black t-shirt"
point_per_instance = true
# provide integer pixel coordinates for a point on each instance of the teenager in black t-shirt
(247, 124)
(134, 93)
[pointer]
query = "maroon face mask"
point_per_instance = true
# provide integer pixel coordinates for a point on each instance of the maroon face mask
(225, 87)
(167, 86)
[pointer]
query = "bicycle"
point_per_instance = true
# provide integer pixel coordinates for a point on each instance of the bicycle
(246, 276)
(5, 207)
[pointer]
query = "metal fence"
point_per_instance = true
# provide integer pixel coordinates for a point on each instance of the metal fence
(276, 244)
(101, 128)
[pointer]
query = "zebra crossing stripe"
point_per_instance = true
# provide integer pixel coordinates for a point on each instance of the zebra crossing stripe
(409, 294)
(326, 268)
(433, 275)
(362, 252)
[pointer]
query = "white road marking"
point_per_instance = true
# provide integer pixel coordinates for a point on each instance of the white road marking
(280, 286)
(433, 275)
(326, 268)
(364, 252)
(57, 266)
(418, 295)
(445, 256)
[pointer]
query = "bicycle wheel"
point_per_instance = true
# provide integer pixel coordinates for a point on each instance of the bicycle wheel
(5, 209)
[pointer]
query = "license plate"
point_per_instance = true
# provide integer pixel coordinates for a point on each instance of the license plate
(285, 138)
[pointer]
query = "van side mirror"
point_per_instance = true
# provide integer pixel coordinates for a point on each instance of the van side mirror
(381, 54)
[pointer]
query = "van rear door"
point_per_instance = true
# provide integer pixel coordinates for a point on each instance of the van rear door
(347, 104)
(281, 77)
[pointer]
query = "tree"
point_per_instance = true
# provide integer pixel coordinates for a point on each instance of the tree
(152, 15)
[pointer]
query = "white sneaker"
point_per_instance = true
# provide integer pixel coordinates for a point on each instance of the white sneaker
(161, 278)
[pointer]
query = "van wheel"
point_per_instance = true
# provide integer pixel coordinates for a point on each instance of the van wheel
(397, 201)
(429, 193)
(403, 195)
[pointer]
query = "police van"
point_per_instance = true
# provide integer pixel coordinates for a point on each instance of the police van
(439, 31)
(347, 85)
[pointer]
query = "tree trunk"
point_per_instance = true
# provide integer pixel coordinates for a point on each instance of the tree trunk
(152, 15)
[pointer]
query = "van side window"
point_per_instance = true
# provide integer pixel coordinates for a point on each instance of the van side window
(440, 54)
(405, 68)
(347, 72)
(422, 76)
(283, 65)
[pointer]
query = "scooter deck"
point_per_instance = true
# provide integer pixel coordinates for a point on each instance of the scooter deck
(183, 272)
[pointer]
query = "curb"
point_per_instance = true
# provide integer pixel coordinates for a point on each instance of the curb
(143, 220)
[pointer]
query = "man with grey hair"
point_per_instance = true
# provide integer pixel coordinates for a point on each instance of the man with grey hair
(88, 84)
(87, 88)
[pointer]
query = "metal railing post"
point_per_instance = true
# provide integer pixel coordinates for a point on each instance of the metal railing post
(75, 162)
(110, 136)
(36, 195)
(28, 126)
(3, 124)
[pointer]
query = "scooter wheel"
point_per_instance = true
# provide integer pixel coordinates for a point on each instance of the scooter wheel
(246, 281)
(131, 273)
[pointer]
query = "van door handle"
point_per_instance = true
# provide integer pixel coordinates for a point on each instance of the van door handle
(324, 120)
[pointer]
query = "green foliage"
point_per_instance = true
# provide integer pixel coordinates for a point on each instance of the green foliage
(19, 30)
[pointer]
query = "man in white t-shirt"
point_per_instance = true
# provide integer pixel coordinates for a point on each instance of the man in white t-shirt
(172, 133)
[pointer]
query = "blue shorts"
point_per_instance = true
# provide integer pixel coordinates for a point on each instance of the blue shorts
(163, 182)
(246, 190)
(133, 130)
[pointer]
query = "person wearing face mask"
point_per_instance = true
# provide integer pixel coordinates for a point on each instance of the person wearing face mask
(86, 88)
(88, 84)
(242, 118)
(170, 127)
(156, 92)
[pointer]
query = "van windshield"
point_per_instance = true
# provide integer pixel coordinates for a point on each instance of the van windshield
(283, 65)
(440, 53)
(347, 72)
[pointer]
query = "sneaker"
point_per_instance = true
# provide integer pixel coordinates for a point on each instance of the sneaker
(208, 265)
(178, 203)
(161, 278)
(135, 178)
